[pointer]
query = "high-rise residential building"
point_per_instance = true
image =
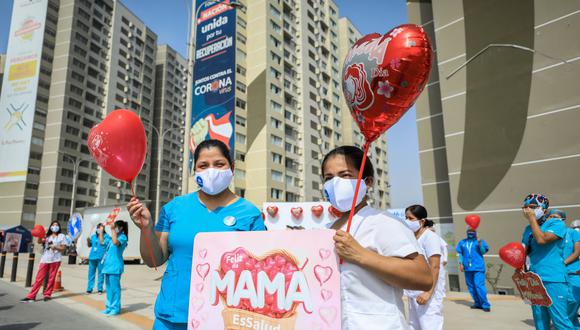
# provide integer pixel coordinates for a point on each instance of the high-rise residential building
(168, 122)
(289, 108)
(97, 57)
(503, 125)
(379, 194)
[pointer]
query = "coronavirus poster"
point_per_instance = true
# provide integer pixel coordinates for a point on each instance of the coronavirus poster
(265, 280)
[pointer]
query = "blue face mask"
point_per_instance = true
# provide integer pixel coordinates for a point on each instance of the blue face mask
(471, 235)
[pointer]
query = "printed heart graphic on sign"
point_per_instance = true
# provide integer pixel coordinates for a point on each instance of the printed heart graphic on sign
(322, 273)
(327, 314)
(272, 210)
(197, 303)
(334, 212)
(203, 253)
(296, 212)
(272, 263)
(317, 210)
(324, 253)
(195, 323)
(326, 294)
(199, 287)
(202, 270)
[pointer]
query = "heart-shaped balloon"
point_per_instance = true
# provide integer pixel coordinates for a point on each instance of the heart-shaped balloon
(317, 210)
(383, 75)
(472, 221)
(272, 210)
(38, 231)
(513, 254)
(296, 212)
(119, 145)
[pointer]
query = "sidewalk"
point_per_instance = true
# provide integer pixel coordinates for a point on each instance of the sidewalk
(140, 285)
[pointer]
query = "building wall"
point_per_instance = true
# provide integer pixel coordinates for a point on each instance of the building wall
(487, 134)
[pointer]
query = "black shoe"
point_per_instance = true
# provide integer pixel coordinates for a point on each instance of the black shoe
(25, 300)
(487, 310)
(100, 292)
(47, 298)
(89, 292)
(475, 307)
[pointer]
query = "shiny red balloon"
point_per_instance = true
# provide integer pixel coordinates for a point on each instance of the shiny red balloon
(472, 221)
(513, 254)
(119, 144)
(384, 75)
(38, 231)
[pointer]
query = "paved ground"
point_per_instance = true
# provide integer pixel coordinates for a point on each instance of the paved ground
(140, 287)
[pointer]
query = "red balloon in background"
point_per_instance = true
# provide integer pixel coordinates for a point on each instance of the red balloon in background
(472, 220)
(513, 254)
(119, 144)
(384, 75)
(38, 231)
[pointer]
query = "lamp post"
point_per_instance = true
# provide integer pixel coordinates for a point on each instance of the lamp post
(191, 42)
(76, 162)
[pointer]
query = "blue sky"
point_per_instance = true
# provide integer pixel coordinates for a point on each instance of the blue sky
(168, 18)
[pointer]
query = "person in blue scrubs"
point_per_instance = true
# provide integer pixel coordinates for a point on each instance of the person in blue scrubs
(97, 243)
(543, 239)
(113, 266)
(214, 208)
(470, 251)
(571, 255)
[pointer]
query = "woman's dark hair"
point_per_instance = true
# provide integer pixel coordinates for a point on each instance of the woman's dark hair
(123, 225)
(420, 212)
(354, 156)
(208, 144)
(49, 232)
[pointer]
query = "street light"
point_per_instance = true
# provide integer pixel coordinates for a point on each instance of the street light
(191, 42)
(76, 161)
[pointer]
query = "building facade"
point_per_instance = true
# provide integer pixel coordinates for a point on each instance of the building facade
(289, 105)
(503, 125)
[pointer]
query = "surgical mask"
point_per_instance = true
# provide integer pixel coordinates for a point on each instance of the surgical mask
(471, 235)
(539, 212)
(117, 230)
(340, 193)
(213, 181)
(414, 225)
(54, 229)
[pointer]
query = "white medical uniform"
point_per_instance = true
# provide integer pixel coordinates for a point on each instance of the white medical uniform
(430, 315)
(441, 283)
(368, 302)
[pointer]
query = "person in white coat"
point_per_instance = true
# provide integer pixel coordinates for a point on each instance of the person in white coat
(426, 307)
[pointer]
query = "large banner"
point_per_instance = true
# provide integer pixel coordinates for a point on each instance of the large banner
(19, 86)
(279, 280)
(214, 76)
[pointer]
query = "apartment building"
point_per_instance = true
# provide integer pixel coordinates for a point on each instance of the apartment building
(502, 126)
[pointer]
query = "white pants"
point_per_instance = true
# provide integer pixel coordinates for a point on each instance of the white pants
(426, 317)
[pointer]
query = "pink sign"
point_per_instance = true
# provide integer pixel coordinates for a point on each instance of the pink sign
(269, 280)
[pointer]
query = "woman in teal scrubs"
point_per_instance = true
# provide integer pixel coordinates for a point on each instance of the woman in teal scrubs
(97, 243)
(214, 208)
(571, 255)
(113, 266)
(543, 239)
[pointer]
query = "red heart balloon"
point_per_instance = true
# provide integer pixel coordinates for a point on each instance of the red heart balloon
(38, 231)
(296, 212)
(384, 75)
(317, 210)
(334, 212)
(513, 254)
(272, 210)
(472, 221)
(119, 144)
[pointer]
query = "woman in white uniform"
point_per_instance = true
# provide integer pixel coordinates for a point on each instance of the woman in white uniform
(380, 254)
(426, 307)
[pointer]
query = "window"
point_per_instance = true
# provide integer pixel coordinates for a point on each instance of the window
(241, 86)
(275, 123)
(241, 121)
(275, 12)
(276, 58)
(276, 158)
(241, 22)
(240, 103)
(36, 155)
(240, 138)
(70, 144)
(276, 28)
(276, 140)
(37, 141)
(276, 42)
(275, 193)
(241, 54)
(275, 89)
(275, 107)
(240, 174)
(39, 126)
(241, 157)
(241, 70)
(275, 73)
(241, 38)
(277, 176)
(315, 185)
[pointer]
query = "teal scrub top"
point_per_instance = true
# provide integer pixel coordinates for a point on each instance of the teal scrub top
(113, 259)
(98, 249)
(546, 260)
(471, 254)
(571, 237)
(183, 218)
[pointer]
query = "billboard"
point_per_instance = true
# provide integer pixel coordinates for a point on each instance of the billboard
(214, 76)
(19, 86)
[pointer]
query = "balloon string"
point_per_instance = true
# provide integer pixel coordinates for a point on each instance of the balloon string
(147, 241)
(356, 189)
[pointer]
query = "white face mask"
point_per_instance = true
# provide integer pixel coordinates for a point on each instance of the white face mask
(54, 229)
(539, 212)
(414, 225)
(340, 192)
(117, 230)
(213, 181)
